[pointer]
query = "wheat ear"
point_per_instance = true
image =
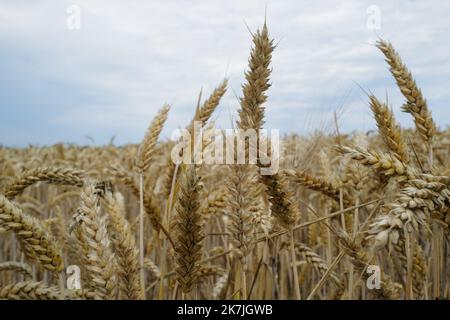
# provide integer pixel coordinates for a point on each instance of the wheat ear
(242, 202)
(29, 290)
(59, 176)
(412, 207)
(361, 260)
(145, 154)
(319, 265)
(38, 243)
(384, 163)
(99, 260)
(389, 130)
(19, 267)
(210, 105)
(314, 183)
(416, 104)
(127, 254)
(251, 114)
(150, 207)
(188, 249)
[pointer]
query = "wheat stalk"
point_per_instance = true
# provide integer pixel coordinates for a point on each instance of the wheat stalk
(385, 163)
(29, 290)
(314, 183)
(389, 129)
(19, 267)
(416, 104)
(125, 249)
(98, 258)
(38, 243)
(188, 249)
(147, 147)
(251, 114)
(59, 176)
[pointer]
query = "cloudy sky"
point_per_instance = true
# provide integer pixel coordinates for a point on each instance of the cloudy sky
(108, 78)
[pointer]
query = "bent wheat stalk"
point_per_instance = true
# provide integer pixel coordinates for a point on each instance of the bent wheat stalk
(59, 176)
(38, 243)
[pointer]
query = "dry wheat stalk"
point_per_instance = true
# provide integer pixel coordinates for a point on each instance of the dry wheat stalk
(385, 163)
(399, 222)
(314, 183)
(59, 176)
(210, 271)
(416, 104)
(251, 114)
(283, 208)
(203, 114)
(242, 201)
(154, 269)
(19, 267)
(210, 105)
(389, 129)
(319, 265)
(99, 260)
(151, 209)
(38, 243)
(215, 203)
(188, 247)
(360, 259)
(413, 207)
(147, 147)
(125, 249)
(29, 290)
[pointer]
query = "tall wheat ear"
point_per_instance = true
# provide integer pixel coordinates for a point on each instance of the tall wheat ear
(38, 243)
(189, 233)
(125, 247)
(416, 104)
(99, 260)
(251, 116)
(59, 176)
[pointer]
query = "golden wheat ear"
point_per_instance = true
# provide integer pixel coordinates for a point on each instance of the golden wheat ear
(17, 267)
(125, 249)
(416, 104)
(389, 130)
(189, 230)
(384, 163)
(58, 176)
(251, 114)
(38, 243)
(147, 147)
(210, 105)
(29, 290)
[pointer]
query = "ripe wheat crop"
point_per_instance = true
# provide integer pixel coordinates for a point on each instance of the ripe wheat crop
(369, 220)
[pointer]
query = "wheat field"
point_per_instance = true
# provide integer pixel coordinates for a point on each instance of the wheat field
(347, 216)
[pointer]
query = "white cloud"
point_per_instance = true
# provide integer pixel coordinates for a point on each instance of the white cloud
(131, 57)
